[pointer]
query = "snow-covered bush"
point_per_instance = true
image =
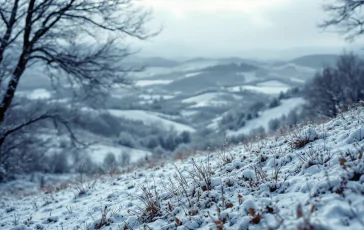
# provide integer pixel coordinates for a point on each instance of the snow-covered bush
(301, 138)
(109, 161)
(124, 159)
(274, 124)
(59, 163)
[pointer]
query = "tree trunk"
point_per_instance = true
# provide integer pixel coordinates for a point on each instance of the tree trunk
(13, 84)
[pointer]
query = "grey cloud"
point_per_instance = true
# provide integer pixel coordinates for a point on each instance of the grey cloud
(290, 26)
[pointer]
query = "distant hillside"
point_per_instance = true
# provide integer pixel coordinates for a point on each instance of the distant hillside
(240, 60)
(226, 60)
(160, 62)
(233, 67)
(316, 61)
(152, 61)
(208, 79)
(199, 59)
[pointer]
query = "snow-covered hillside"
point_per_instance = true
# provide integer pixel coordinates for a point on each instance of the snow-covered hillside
(208, 99)
(269, 114)
(150, 118)
(310, 178)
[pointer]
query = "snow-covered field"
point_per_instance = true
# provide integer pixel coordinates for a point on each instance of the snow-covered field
(269, 87)
(143, 83)
(155, 97)
(207, 99)
(272, 83)
(311, 180)
(215, 122)
(192, 74)
(267, 115)
(297, 80)
(188, 113)
(150, 118)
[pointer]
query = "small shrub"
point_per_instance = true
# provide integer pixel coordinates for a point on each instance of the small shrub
(124, 159)
(152, 209)
(220, 220)
(110, 161)
(104, 220)
(201, 174)
(306, 224)
(301, 139)
(224, 155)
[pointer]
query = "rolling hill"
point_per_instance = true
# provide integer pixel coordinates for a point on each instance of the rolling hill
(316, 61)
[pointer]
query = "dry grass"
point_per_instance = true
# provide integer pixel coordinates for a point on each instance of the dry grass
(104, 220)
(306, 224)
(256, 216)
(299, 143)
(352, 162)
(152, 209)
(224, 155)
(219, 223)
(201, 174)
(299, 139)
(181, 188)
(51, 189)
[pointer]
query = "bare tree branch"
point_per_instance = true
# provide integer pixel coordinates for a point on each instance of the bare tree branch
(346, 16)
(81, 42)
(52, 33)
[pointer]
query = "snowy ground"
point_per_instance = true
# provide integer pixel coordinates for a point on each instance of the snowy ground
(310, 178)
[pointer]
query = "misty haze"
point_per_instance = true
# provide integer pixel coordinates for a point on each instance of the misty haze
(181, 114)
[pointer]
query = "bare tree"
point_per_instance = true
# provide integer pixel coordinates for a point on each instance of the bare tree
(336, 87)
(80, 42)
(27, 134)
(347, 16)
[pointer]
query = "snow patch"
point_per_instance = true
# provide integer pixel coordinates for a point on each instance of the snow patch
(143, 83)
(208, 99)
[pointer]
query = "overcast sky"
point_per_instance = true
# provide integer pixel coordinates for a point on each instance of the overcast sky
(245, 28)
